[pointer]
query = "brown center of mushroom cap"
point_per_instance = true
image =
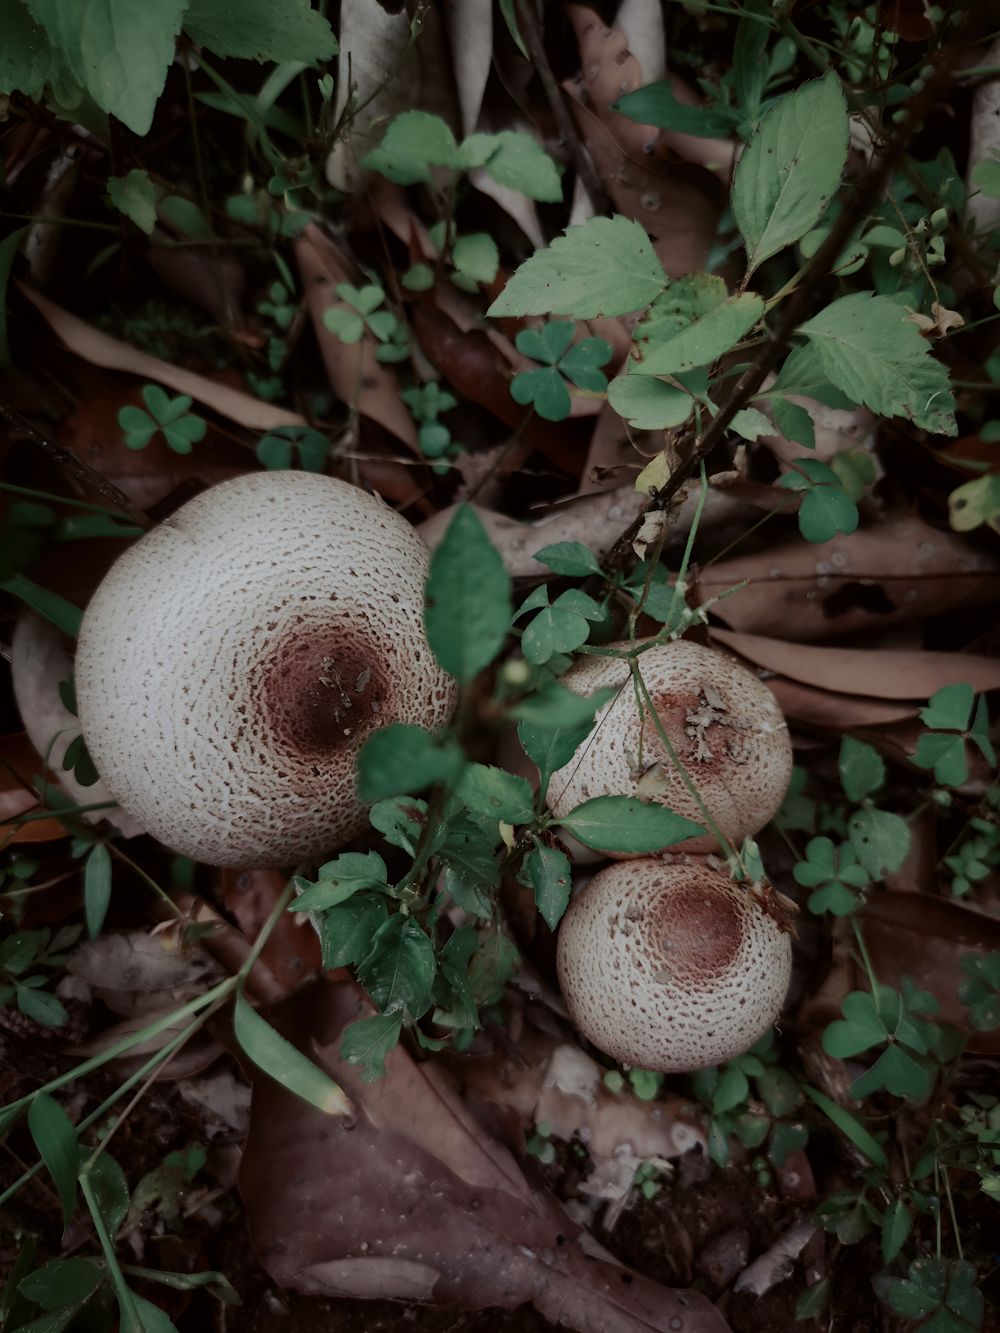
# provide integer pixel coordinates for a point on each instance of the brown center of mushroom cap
(323, 694)
(707, 739)
(697, 933)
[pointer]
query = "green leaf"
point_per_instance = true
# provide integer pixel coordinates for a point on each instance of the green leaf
(97, 889)
(860, 1028)
(946, 755)
(979, 732)
(791, 168)
(283, 1062)
(870, 348)
(949, 709)
(339, 880)
(803, 374)
(554, 630)
(399, 971)
(418, 278)
(855, 471)
(656, 105)
(544, 388)
(369, 1041)
(136, 198)
(494, 792)
(400, 820)
(55, 1139)
(217, 1284)
(413, 143)
(986, 174)
(751, 424)
(718, 1144)
(849, 1125)
(28, 60)
(277, 30)
(39, 1004)
(119, 50)
(825, 511)
(364, 299)
(583, 361)
(624, 824)
(347, 325)
(732, 1088)
(551, 878)
(470, 866)
(648, 403)
(61, 1282)
(551, 750)
(974, 502)
(401, 758)
(691, 324)
(897, 1222)
(346, 930)
(835, 898)
(492, 968)
(779, 1091)
(570, 559)
(110, 1190)
(895, 1071)
(520, 163)
(186, 217)
(862, 770)
(813, 1300)
(555, 708)
(477, 256)
(607, 267)
(795, 424)
(880, 840)
(548, 343)
(468, 598)
(924, 1290)
(154, 1320)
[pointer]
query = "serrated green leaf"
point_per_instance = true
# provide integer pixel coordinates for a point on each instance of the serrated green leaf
(468, 598)
(791, 168)
(870, 348)
(751, 424)
(494, 792)
(40, 1005)
(551, 750)
(135, 196)
(607, 267)
(401, 758)
(285, 1063)
(793, 421)
(399, 971)
(278, 30)
(346, 930)
(471, 872)
(28, 60)
(369, 1041)
(624, 824)
(691, 324)
(400, 821)
(802, 374)
(518, 162)
(492, 968)
(551, 878)
(339, 880)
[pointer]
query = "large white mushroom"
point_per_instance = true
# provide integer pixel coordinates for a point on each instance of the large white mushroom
(235, 659)
(672, 967)
(724, 725)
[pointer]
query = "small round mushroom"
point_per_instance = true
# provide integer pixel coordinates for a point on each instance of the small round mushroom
(235, 659)
(724, 725)
(671, 967)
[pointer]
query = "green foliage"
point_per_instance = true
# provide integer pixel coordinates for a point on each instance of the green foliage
(826, 508)
(55, 1139)
(951, 708)
(607, 267)
(833, 873)
(369, 1041)
(649, 403)
(135, 196)
(559, 628)
(360, 311)
(943, 1295)
(545, 387)
(550, 875)
(97, 888)
(691, 324)
(624, 824)
(275, 449)
(868, 1022)
(24, 950)
(278, 30)
(283, 1062)
(468, 598)
(168, 415)
(981, 989)
(791, 169)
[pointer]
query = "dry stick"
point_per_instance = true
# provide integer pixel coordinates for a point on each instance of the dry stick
(76, 467)
(794, 313)
(531, 31)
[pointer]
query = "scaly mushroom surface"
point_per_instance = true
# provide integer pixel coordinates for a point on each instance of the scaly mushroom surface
(725, 726)
(235, 659)
(671, 967)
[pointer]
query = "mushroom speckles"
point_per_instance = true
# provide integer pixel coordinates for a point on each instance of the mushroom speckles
(671, 967)
(236, 658)
(724, 725)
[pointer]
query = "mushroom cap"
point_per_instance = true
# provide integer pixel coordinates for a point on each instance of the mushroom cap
(738, 757)
(671, 967)
(236, 657)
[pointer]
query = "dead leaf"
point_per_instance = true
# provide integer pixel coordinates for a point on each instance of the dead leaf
(882, 673)
(777, 1263)
(923, 936)
(827, 708)
(941, 325)
(193, 275)
(100, 349)
(292, 950)
(135, 972)
(900, 569)
(470, 27)
(355, 376)
(418, 1201)
(642, 23)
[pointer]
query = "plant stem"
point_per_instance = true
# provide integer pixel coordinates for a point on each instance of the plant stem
(128, 1311)
(867, 962)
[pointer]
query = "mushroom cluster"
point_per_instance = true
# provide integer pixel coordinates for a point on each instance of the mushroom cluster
(725, 727)
(235, 659)
(671, 967)
(664, 962)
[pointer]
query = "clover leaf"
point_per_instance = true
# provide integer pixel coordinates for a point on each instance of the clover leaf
(865, 1025)
(981, 989)
(975, 857)
(833, 872)
(360, 308)
(545, 387)
(281, 310)
(942, 1294)
(435, 437)
(949, 710)
(559, 628)
(826, 509)
(274, 450)
(167, 415)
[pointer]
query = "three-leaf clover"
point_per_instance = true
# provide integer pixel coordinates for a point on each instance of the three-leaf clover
(980, 989)
(949, 710)
(545, 387)
(826, 507)
(168, 415)
(833, 873)
(942, 1294)
(274, 450)
(361, 307)
(559, 628)
(281, 310)
(866, 1024)
(880, 839)
(425, 405)
(975, 857)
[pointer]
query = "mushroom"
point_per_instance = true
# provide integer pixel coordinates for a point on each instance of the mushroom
(671, 967)
(724, 725)
(235, 659)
